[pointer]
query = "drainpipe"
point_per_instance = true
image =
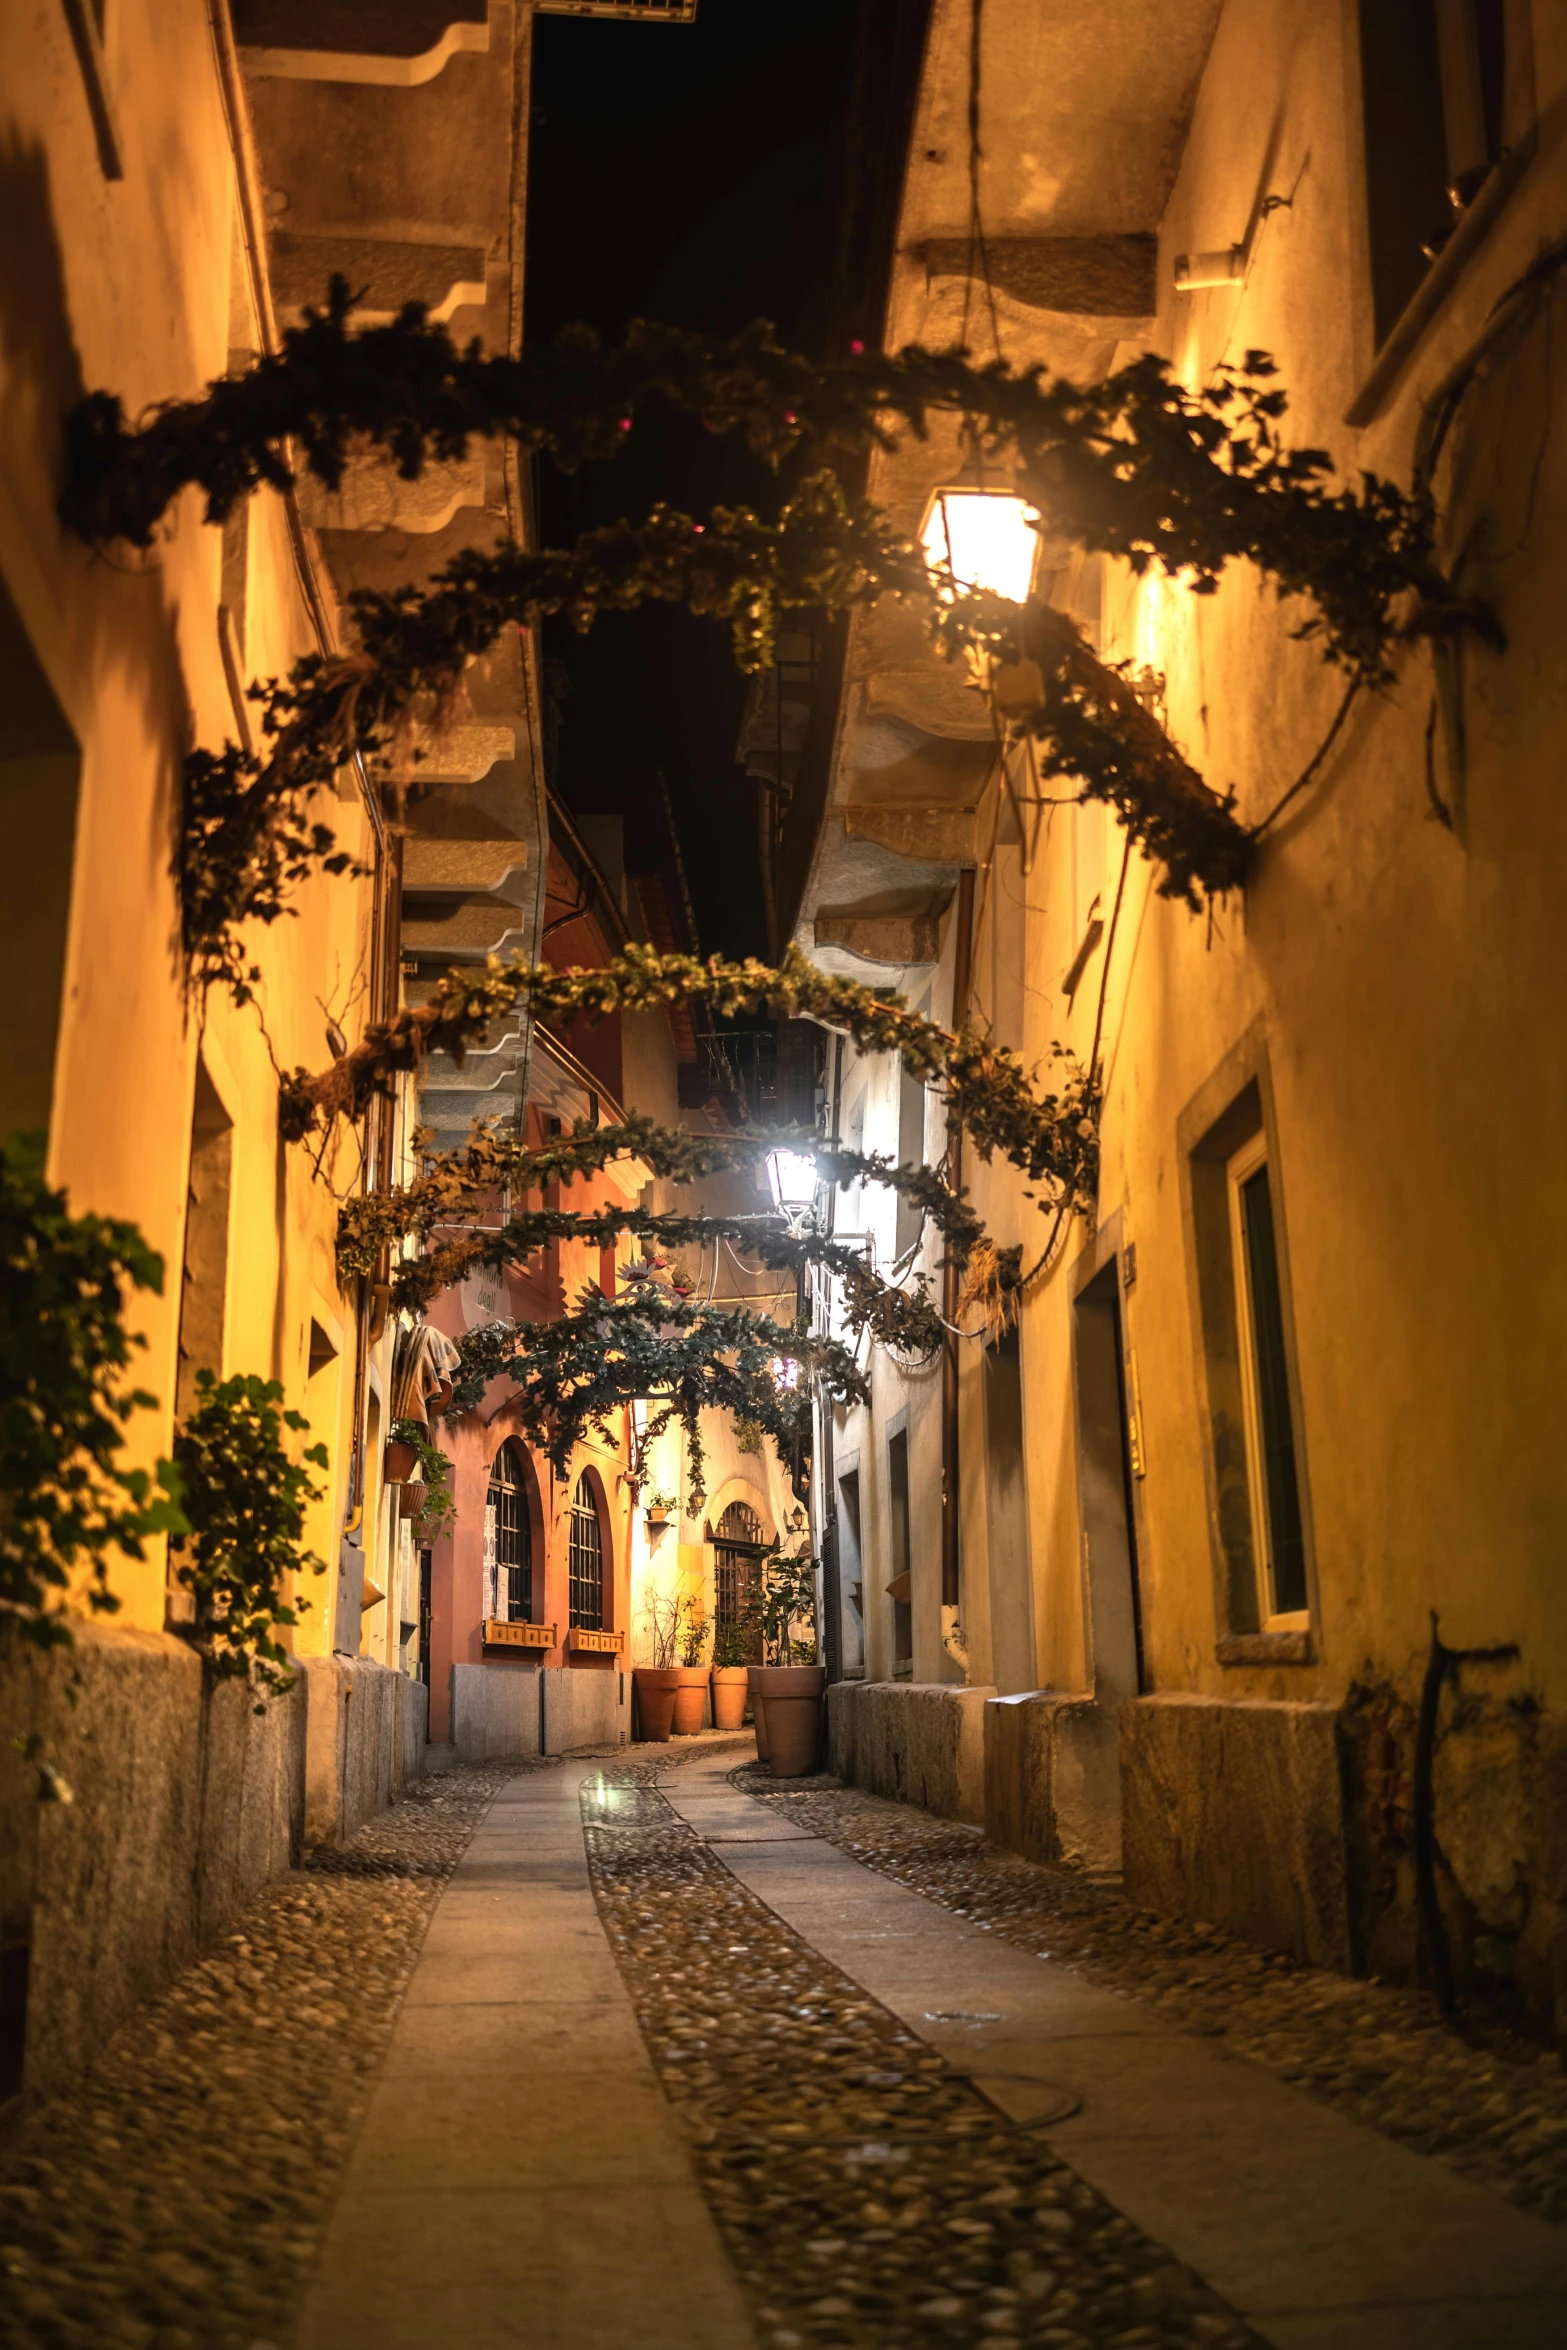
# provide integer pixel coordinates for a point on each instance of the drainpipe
(951, 1489)
(832, 1584)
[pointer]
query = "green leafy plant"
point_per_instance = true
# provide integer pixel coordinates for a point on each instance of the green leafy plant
(693, 1637)
(244, 846)
(67, 1506)
(748, 1435)
(787, 1585)
(1050, 1135)
(662, 1505)
(437, 1516)
(733, 1641)
(572, 1374)
(245, 1501)
(494, 1159)
(1137, 466)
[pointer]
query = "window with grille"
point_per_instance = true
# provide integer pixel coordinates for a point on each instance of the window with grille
(508, 1542)
(737, 1545)
(586, 1559)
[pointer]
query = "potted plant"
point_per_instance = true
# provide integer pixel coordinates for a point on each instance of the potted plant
(732, 1644)
(657, 1685)
(791, 1682)
(402, 1450)
(430, 1502)
(691, 1697)
(660, 1508)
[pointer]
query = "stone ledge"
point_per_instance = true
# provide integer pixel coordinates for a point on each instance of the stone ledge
(1266, 1648)
(1052, 1779)
(1233, 1810)
(917, 1741)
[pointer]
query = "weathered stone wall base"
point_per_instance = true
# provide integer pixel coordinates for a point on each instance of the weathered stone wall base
(514, 1709)
(916, 1741)
(1053, 1779)
(365, 1739)
(1235, 1812)
(184, 1801)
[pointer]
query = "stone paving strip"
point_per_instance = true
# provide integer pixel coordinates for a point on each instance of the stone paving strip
(173, 2200)
(1486, 2102)
(867, 2193)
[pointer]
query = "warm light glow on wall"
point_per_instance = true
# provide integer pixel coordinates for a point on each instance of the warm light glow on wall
(984, 539)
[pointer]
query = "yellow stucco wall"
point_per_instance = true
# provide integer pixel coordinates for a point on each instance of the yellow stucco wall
(132, 284)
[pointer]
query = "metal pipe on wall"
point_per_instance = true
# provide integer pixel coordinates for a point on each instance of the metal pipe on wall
(951, 1466)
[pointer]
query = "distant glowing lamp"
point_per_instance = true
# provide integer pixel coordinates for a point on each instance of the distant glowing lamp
(792, 1176)
(982, 539)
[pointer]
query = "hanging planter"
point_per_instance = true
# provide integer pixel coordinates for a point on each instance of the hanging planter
(400, 1462)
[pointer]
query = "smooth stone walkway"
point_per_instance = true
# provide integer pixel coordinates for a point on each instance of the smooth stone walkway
(1324, 2235)
(520, 2178)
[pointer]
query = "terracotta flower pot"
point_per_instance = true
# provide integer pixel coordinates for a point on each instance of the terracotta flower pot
(412, 1498)
(657, 1687)
(401, 1462)
(792, 1695)
(690, 1700)
(753, 1681)
(729, 1694)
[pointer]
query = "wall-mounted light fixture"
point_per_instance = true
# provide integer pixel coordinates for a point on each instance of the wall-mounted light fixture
(1195, 271)
(978, 538)
(791, 1176)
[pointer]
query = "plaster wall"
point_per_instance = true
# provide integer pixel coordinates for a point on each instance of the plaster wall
(123, 267)
(1387, 982)
(183, 1802)
(912, 1741)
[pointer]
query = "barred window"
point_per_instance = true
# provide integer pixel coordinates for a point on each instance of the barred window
(508, 1542)
(737, 1544)
(586, 1559)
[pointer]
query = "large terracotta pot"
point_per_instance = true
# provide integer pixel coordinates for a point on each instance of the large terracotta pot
(753, 1680)
(657, 1687)
(792, 1695)
(690, 1700)
(729, 1692)
(401, 1462)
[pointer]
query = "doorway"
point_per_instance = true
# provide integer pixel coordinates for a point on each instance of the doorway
(1006, 1499)
(901, 1586)
(1113, 1598)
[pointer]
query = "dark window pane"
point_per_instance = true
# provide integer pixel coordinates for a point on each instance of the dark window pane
(507, 1498)
(1286, 1540)
(1406, 148)
(738, 1543)
(586, 1561)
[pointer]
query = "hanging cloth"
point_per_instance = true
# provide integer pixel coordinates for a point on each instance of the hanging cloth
(423, 1374)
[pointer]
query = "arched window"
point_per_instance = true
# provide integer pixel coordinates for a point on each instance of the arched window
(586, 1559)
(737, 1544)
(508, 1542)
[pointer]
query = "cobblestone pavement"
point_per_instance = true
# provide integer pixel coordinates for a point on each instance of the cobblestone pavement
(867, 2196)
(173, 2200)
(1491, 2105)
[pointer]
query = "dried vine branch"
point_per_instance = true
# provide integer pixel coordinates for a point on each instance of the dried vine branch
(1137, 465)
(1051, 1136)
(571, 1374)
(454, 1188)
(901, 1318)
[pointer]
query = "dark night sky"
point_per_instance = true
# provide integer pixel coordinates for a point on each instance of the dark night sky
(688, 173)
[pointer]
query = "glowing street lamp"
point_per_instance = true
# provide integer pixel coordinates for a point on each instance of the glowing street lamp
(979, 539)
(792, 1177)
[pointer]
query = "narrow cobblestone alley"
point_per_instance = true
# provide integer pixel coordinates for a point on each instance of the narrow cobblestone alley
(851, 2115)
